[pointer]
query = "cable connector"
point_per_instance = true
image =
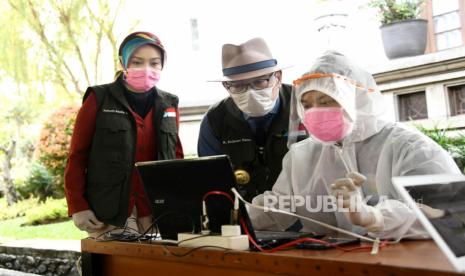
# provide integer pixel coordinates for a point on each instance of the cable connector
(204, 220)
(375, 248)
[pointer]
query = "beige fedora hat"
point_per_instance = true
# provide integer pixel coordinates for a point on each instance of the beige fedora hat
(247, 60)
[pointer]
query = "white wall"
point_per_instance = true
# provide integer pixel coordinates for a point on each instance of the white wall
(188, 134)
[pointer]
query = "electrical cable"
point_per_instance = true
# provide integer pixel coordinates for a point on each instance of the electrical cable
(129, 236)
(204, 217)
(302, 217)
(193, 249)
(295, 242)
(218, 193)
(292, 244)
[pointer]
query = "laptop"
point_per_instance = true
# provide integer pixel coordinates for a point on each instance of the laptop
(271, 239)
(175, 189)
(445, 192)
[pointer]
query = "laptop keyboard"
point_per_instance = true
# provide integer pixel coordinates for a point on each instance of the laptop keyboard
(282, 235)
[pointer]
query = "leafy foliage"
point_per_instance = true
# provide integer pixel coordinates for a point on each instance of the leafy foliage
(34, 211)
(39, 183)
(52, 210)
(53, 147)
(71, 36)
(18, 209)
(455, 145)
(396, 10)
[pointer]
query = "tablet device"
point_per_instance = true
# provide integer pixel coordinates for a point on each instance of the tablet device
(446, 225)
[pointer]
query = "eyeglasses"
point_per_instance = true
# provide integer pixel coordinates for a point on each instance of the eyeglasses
(236, 87)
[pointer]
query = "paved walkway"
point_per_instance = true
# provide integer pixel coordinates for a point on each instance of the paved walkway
(27, 246)
(71, 245)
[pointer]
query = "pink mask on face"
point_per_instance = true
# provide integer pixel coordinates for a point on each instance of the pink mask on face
(142, 79)
(327, 124)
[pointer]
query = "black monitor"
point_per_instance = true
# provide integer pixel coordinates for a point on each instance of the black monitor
(175, 189)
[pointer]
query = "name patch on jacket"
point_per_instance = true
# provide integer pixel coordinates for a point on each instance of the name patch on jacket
(114, 111)
(169, 112)
(242, 140)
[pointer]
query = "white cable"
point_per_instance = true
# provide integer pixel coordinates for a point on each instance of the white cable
(337, 229)
(204, 208)
(339, 151)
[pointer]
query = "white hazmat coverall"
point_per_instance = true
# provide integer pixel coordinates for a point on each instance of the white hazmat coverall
(375, 148)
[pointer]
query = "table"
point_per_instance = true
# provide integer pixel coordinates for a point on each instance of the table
(123, 258)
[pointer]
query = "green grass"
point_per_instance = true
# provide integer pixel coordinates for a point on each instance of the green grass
(12, 229)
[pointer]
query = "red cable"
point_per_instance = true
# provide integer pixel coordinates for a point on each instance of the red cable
(250, 237)
(218, 193)
(293, 243)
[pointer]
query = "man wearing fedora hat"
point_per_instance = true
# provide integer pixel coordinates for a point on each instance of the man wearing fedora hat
(251, 125)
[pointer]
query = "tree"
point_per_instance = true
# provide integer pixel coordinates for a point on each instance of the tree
(12, 139)
(67, 29)
(8, 187)
(49, 47)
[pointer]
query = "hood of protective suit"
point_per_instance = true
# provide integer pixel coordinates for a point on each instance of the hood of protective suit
(352, 87)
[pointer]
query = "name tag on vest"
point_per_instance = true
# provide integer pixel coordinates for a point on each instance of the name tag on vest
(242, 140)
(114, 111)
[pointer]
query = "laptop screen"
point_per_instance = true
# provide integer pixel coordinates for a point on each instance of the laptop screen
(175, 189)
(450, 198)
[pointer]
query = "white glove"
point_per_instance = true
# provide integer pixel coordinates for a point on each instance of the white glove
(359, 213)
(431, 212)
(86, 221)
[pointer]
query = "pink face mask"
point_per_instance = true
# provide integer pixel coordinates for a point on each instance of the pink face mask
(327, 124)
(142, 79)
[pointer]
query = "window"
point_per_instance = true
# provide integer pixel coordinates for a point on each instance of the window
(412, 106)
(195, 34)
(457, 99)
(446, 24)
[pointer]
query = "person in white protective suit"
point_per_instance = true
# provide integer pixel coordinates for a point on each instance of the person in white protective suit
(352, 154)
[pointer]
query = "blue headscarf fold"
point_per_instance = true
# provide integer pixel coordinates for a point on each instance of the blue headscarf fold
(136, 40)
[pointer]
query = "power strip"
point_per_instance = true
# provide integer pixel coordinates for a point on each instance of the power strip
(240, 242)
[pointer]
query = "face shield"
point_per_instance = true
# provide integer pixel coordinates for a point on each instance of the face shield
(351, 86)
(342, 89)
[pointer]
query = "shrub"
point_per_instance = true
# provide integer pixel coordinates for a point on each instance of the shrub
(39, 183)
(53, 147)
(455, 145)
(396, 10)
(18, 209)
(52, 210)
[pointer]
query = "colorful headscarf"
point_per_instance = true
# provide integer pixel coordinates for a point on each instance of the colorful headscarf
(136, 40)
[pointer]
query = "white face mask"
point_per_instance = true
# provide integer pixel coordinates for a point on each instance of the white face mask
(255, 103)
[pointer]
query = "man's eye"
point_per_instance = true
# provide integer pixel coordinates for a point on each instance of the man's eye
(136, 62)
(260, 82)
(154, 64)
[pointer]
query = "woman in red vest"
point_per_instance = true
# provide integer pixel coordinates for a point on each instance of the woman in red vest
(120, 123)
